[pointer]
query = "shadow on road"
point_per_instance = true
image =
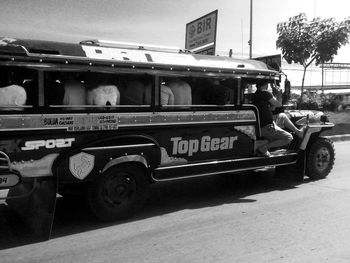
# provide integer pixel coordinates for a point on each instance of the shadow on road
(73, 216)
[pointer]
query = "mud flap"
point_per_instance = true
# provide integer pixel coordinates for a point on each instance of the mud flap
(34, 203)
(300, 166)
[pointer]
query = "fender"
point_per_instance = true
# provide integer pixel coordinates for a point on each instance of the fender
(126, 159)
(313, 128)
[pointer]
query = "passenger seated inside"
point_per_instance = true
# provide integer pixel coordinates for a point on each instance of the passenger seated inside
(276, 136)
(13, 95)
(12, 90)
(166, 95)
(101, 90)
(104, 95)
(181, 90)
(74, 90)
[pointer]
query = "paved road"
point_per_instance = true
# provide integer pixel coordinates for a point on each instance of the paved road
(260, 220)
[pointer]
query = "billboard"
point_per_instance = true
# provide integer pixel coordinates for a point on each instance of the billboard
(201, 34)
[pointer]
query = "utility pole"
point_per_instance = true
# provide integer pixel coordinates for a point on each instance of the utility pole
(251, 29)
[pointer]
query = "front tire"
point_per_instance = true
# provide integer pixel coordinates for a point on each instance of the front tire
(118, 193)
(320, 159)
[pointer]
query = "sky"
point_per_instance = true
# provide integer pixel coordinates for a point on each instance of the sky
(163, 22)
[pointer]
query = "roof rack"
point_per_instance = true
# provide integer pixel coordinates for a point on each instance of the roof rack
(109, 43)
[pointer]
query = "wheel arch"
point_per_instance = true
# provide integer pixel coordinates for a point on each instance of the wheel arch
(138, 160)
(148, 157)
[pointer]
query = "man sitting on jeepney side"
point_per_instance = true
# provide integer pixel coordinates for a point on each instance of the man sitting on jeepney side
(275, 135)
(280, 118)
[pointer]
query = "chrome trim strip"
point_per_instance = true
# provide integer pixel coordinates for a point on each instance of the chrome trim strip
(113, 121)
(135, 114)
(99, 106)
(118, 147)
(18, 107)
(66, 128)
(37, 129)
(216, 173)
(246, 122)
(217, 162)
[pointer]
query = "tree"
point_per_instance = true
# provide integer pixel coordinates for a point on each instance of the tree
(306, 42)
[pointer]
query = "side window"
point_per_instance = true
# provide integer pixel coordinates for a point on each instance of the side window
(215, 91)
(53, 88)
(96, 90)
(18, 88)
(249, 89)
(135, 90)
(198, 91)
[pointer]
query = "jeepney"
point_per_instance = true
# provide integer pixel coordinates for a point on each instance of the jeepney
(108, 119)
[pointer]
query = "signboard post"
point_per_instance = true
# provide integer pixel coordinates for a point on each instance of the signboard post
(201, 34)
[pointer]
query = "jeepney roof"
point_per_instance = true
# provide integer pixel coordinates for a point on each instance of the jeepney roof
(94, 52)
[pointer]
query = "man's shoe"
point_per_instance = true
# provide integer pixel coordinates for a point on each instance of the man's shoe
(263, 153)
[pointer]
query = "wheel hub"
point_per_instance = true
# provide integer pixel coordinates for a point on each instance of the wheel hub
(118, 190)
(322, 158)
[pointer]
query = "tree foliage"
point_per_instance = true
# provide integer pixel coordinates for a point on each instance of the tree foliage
(316, 41)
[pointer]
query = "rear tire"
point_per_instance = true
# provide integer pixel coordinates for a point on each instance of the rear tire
(118, 193)
(320, 159)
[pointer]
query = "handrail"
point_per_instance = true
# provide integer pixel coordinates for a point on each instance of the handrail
(141, 46)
